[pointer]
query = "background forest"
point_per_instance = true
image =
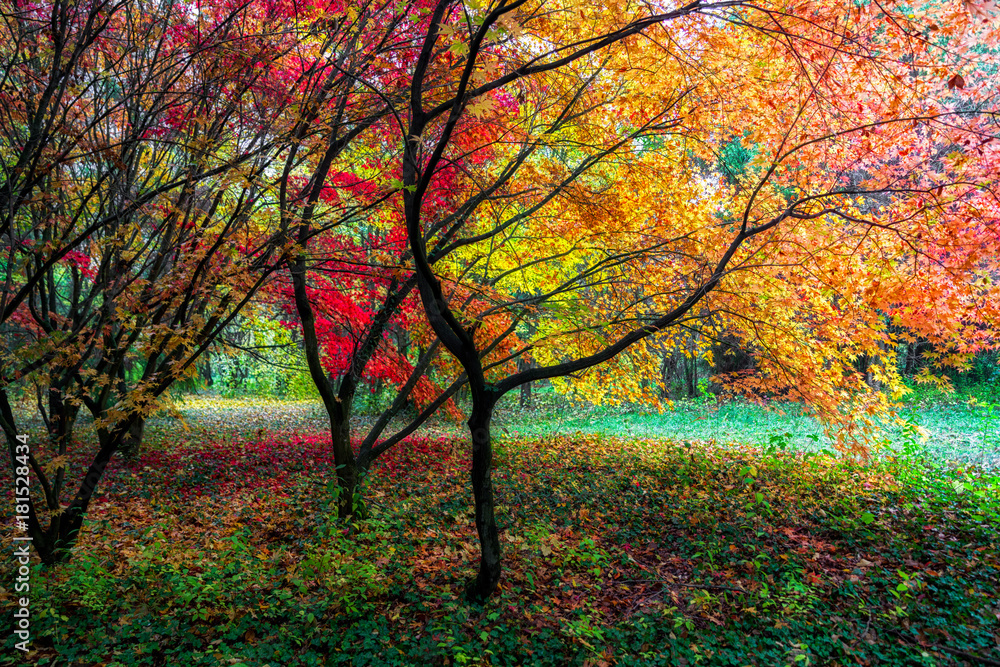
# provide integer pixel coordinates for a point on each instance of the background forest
(500, 332)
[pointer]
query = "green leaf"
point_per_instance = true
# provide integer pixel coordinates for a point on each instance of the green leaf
(867, 517)
(397, 184)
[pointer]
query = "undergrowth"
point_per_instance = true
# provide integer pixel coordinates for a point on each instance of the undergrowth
(627, 552)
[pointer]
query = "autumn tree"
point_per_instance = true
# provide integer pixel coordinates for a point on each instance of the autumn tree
(597, 219)
(351, 282)
(320, 196)
(137, 142)
(354, 302)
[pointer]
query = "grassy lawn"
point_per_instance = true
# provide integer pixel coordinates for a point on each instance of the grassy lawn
(953, 430)
(217, 548)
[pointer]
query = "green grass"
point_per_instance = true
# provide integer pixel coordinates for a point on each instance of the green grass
(951, 430)
(688, 420)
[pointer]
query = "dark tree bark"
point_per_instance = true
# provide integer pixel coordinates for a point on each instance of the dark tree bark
(206, 371)
(483, 402)
(131, 443)
(691, 376)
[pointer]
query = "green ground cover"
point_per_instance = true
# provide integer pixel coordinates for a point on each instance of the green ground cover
(217, 548)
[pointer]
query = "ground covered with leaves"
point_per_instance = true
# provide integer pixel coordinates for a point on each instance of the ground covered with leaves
(616, 552)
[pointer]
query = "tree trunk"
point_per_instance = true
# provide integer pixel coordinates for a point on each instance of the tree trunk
(61, 419)
(131, 440)
(337, 405)
(347, 469)
(689, 376)
(131, 443)
(526, 395)
(525, 401)
(664, 377)
(55, 543)
(480, 588)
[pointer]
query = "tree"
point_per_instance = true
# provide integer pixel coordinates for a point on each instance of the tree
(351, 285)
(320, 194)
(848, 214)
(137, 143)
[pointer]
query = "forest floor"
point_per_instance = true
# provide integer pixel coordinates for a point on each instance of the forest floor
(218, 548)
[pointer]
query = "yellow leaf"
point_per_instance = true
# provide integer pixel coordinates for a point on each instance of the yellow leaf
(480, 107)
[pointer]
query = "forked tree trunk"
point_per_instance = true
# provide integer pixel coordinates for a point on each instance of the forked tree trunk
(55, 543)
(337, 404)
